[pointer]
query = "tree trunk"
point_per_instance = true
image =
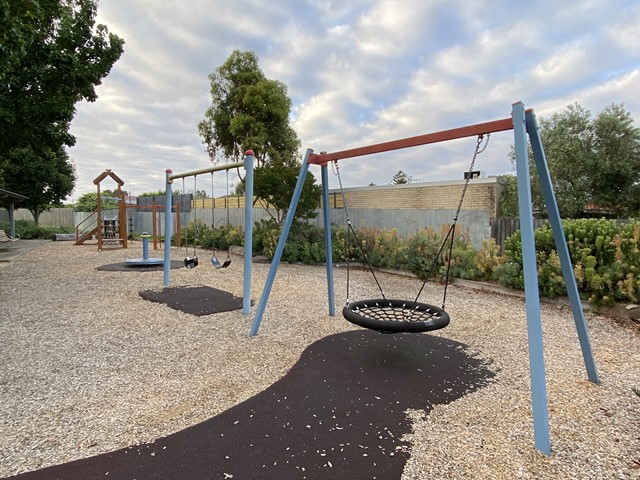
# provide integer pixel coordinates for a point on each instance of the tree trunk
(36, 215)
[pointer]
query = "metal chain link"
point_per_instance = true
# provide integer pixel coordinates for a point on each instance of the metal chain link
(477, 152)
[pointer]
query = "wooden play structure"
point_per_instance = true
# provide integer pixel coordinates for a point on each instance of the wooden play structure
(113, 232)
(109, 232)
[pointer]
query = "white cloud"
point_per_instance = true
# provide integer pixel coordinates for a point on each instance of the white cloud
(358, 72)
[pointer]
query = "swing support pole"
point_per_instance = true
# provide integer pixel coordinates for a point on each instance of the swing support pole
(524, 124)
(247, 164)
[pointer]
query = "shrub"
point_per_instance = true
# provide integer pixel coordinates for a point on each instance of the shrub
(422, 251)
(488, 258)
(27, 229)
(605, 258)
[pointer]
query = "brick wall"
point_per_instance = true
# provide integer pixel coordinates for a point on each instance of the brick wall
(482, 194)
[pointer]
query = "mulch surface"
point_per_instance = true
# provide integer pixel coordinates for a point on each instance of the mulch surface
(130, 267)
(194, 299)
(339, 413)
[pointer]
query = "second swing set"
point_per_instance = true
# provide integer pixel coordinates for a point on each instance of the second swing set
(191, 261)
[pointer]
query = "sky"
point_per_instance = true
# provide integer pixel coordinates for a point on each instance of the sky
(358, 72)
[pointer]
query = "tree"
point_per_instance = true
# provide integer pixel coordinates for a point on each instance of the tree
(89, 201)
(248, 112)
(401, 178)
(45, 178)
(275, 184)
(592, 162)
(251, 112)
(508, 202)
(53, 56)
(615, 171)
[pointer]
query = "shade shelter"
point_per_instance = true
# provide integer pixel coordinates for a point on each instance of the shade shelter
(8, 200)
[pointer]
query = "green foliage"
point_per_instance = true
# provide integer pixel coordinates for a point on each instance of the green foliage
(53, 55)
(158, 193)
(508, 201)
(488, 258)
(275, 184)
(89, 201)
(463, 260)
(28, 229)
(423, 248)
(265, 237)
(304, 244)
(43, 175)
(201, 235)
(605, 258)
(614, 176)
(248, 111)
(593, 162)
(401, 178)
(221, 238)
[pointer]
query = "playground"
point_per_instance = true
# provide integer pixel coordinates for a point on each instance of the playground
(125, 387)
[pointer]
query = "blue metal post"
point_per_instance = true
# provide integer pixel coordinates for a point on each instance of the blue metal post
(248, 231)
(12, 220)
(167, 228)
(532, 299)
(145, 246)
(327, 238)
(561, 245)
(304, 169)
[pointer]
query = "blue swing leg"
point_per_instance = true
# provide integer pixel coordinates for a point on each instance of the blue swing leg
(295, 198)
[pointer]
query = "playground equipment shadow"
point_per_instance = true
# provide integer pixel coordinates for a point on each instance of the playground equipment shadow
(340, 413)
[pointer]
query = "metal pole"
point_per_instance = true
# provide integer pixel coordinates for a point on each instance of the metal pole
(248, 231)
(304, 169)
(561, 245)
(327, 239)
(167, 228)
(532, 299)
(217, 168)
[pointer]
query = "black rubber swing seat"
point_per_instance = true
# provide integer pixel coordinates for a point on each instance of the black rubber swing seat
(396, 316)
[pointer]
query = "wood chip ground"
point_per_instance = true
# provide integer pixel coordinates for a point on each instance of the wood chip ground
(87, 367)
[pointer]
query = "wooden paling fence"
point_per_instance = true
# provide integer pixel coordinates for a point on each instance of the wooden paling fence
(503, 228)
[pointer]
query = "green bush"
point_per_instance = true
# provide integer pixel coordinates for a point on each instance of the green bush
(422, 250)
(463, 260)
(605, 258)
(27, 229)
(488, 258)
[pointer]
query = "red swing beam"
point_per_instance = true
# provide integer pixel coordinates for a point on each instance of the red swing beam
(442, 136)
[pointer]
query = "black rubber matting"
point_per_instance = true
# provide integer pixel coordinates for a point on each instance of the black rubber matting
(339, 413)
(194, 299)
(130, 267)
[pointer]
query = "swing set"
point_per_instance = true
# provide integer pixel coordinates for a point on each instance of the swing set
(402, 315)
(191, 260)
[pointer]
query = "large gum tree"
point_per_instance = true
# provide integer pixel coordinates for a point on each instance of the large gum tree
(251, 112)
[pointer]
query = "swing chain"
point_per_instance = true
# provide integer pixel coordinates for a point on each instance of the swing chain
(479, 149)
(351, 231)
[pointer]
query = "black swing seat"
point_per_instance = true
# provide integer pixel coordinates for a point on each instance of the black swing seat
(191, 262)
(395, 316)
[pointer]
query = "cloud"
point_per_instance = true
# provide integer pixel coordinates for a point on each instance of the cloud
(358, 72)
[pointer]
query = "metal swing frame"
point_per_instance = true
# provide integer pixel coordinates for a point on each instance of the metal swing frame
(247, 164)
(524, 124)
